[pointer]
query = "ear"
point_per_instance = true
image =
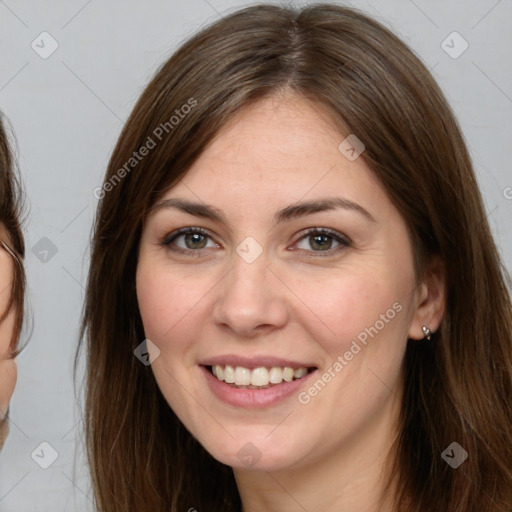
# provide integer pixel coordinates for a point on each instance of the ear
(430, 300)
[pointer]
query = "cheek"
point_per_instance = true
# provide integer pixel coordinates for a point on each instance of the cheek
(163, 301)
(346, 305)
(171, 306)
(362, 323)
(8, 376)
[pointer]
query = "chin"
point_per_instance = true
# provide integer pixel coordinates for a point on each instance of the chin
(253, 452)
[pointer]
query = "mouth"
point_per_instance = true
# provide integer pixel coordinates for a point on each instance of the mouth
(262, 377)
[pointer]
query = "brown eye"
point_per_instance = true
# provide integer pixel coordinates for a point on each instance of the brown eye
(320, 240)
(189, 240)
(195, 240)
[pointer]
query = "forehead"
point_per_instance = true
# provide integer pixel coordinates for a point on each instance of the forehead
(283, 147)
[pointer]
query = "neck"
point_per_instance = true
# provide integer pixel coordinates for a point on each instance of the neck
(356, 477)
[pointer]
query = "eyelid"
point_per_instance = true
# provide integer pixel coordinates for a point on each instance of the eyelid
(341, 238)
(170, 237)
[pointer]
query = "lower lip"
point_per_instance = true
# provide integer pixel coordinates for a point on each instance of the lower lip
(253, 398)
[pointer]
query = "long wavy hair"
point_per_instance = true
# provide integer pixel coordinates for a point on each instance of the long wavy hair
(457, 388)
(11, 218)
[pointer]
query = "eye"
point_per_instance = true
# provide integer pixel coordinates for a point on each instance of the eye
(322, 240)
(317, 240)
(189, 239)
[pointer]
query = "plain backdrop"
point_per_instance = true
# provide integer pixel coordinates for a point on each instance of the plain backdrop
(67, 110)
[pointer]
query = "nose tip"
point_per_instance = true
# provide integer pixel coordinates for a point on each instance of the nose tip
(250, 302)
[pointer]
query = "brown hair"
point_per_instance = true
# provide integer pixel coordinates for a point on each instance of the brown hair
(457, 388)
(11, 210)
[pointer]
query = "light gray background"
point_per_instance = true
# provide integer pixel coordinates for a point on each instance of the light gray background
(67, 112)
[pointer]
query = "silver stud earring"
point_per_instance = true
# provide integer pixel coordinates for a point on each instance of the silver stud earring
(427, 332)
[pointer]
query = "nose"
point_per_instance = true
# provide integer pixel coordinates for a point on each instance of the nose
(250, 300)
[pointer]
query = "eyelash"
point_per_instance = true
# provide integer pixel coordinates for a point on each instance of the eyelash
(343, 240)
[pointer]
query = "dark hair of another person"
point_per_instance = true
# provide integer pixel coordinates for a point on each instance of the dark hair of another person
(11, 210)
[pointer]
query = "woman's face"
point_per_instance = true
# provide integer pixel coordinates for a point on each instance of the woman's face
(301, 263)
(7, 365)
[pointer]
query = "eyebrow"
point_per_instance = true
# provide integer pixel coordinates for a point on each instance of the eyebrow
(288, 213)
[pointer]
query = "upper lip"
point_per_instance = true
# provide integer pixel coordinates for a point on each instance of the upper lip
(254, 362)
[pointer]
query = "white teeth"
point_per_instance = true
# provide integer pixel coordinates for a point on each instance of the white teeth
(276, 375)
(258, 377)
(242, 376)
(298, 373)
(288, 374)
(218, 371)
(229, 374)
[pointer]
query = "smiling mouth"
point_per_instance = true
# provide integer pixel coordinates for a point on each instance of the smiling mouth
(258, 378)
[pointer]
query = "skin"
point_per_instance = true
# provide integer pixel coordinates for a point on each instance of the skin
(8, 371)
(291, 302)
